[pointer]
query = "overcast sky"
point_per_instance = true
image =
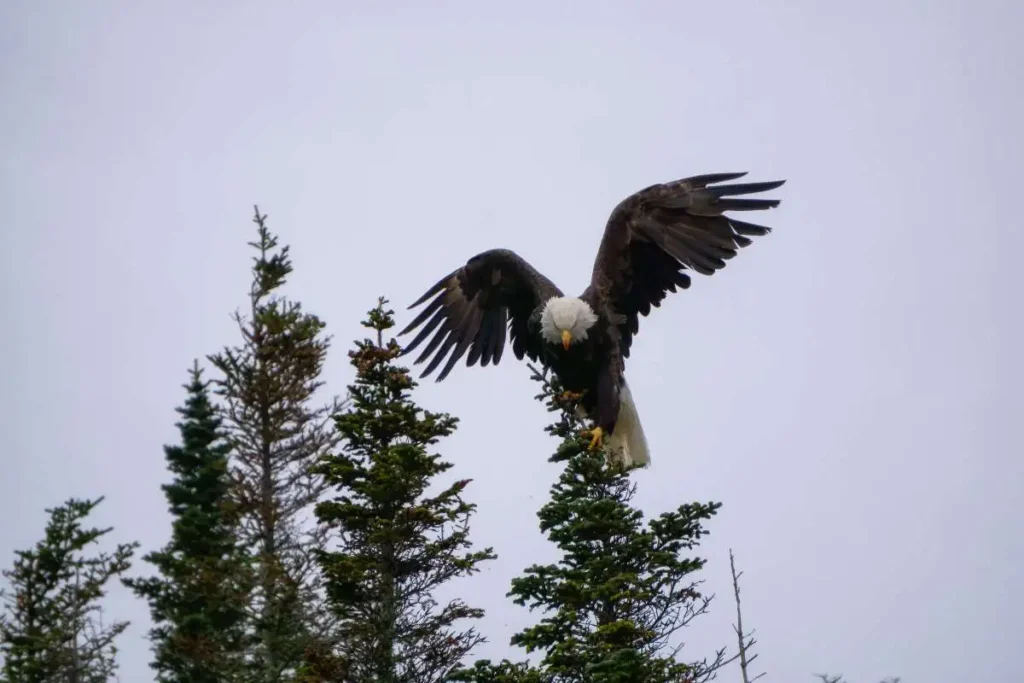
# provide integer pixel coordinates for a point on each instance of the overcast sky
(847, 386)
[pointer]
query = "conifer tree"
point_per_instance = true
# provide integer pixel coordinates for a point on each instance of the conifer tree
(400, 541)
(277, 433)
(622, 588)
(52, 628)
(199, 601)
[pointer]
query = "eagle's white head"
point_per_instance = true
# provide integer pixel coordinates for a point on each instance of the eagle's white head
(566, 320)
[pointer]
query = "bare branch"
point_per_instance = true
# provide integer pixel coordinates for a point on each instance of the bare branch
(745, 640)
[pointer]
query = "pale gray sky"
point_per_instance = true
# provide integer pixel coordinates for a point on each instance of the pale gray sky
(847, 386)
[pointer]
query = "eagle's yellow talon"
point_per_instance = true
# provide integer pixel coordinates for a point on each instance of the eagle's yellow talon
(596, 434)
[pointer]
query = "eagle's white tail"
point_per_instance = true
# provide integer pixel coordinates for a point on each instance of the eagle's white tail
(628, 441)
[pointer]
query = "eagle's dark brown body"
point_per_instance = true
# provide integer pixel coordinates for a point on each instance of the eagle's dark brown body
(593, 368)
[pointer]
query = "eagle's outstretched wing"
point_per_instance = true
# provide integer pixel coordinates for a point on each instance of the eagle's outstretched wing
(653, 236)
(472, 306)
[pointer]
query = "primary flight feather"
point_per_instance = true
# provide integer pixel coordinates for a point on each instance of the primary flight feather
(651, 239)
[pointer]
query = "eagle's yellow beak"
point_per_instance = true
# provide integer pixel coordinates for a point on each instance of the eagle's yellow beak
(566, 339)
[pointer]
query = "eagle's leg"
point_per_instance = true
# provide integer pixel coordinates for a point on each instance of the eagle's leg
(596, 436)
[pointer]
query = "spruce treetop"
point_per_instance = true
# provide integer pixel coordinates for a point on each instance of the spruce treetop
(52, 628)
(622, 587)
(399, 540)
(268, 382)
(198, 602)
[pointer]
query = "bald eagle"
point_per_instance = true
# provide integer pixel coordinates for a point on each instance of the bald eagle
(651, 238)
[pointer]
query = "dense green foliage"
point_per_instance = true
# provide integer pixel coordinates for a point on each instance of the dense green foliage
(622, 587)
(399, 541)
(199, 600)
(51, 628)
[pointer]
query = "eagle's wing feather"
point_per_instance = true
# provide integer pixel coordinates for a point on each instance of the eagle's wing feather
(653, 236)
(471, 308)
